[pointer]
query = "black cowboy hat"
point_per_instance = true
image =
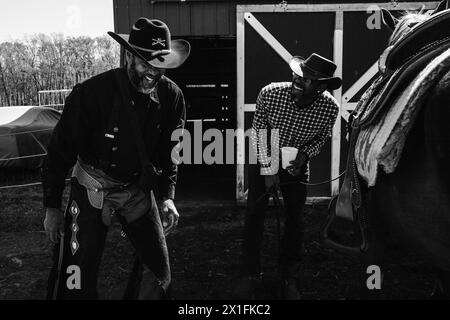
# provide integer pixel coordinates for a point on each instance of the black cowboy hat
(318, 68)
(150, 40)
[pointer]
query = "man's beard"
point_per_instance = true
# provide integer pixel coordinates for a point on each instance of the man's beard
(302, 98)
(140, 81)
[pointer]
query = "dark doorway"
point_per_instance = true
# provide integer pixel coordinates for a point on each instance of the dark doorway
(208, 81)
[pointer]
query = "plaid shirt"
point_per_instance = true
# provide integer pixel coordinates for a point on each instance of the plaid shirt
(306, 129)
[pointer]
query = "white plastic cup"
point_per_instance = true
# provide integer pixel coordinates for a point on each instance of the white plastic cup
(287, 155)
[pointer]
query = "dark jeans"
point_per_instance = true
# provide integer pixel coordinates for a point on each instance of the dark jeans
(294, 197)
(86, 233)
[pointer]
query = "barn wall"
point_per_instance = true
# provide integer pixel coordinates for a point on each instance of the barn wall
(188, 18)
(193, 17)
(210, 26)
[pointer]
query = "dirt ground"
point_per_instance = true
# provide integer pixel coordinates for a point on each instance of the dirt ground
(204, 253)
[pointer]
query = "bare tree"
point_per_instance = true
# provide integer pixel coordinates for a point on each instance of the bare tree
(46, 62)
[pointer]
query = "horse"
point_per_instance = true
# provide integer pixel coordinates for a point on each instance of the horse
(411, 206)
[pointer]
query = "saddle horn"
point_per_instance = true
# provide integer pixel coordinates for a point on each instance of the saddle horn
(388, 19)
(445, 4)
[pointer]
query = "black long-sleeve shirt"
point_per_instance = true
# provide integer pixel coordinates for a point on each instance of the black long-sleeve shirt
(86, 130)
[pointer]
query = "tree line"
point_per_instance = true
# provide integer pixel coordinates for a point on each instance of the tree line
(51, 62)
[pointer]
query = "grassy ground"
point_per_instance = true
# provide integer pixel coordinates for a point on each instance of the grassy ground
(204, 252)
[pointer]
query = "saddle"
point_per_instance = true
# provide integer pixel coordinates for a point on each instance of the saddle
(403, 62)
(436, 28)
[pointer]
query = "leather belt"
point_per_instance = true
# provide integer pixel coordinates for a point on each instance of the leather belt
(93, 186)
(96, 191)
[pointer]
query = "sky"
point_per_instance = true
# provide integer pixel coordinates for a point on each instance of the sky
(70, 17)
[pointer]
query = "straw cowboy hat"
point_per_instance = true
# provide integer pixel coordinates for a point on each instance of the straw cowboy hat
(316, 67)
(150, 40)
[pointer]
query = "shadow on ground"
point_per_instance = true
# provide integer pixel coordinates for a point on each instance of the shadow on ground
(204, 253)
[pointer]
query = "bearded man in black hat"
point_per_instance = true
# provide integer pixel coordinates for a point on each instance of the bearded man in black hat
(115, 132)
(299, 114)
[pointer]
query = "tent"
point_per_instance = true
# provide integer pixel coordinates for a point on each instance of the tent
(25, 132)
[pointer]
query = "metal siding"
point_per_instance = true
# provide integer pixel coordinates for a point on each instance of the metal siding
(210, 18)
(232, 17)
(123, 24)
(116, 15)
(221, 24)
(159, 12)
(147, 9)
(185, 21)
(197, 18)
(197, 22)
(135, 10)
(184, 18)
(193, 18)
(173, 17)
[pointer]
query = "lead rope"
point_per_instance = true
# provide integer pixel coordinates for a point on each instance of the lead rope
(270, 193)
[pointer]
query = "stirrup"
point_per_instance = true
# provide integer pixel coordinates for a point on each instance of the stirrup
(362, 223)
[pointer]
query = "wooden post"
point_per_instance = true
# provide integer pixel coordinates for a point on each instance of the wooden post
(240, 114)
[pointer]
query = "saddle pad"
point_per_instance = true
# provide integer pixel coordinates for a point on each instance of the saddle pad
(382, 142)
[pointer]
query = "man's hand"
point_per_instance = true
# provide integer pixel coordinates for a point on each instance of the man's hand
(54, 224)
(169, 215)
(296, 165)
(272, 181)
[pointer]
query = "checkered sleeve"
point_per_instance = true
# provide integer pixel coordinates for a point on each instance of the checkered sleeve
(313, 148)
(260, 134)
